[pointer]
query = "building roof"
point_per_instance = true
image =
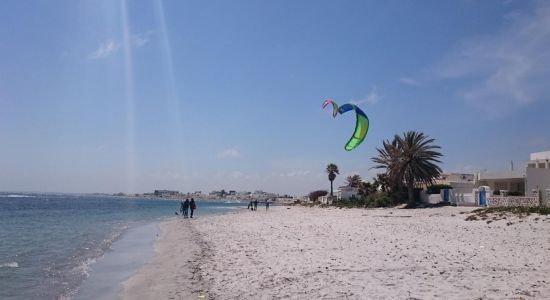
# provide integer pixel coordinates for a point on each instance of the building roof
(517, 174)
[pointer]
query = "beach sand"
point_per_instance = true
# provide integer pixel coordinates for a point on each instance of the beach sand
(328, 253)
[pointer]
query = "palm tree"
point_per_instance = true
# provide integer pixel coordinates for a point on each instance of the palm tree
(332, 170)
(364, 188)
(409, 159)
(353, 180)
(381, 181)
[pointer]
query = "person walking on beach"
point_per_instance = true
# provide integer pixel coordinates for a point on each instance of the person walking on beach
(255, 204)
(266, 205)
(193, 206)
(181, 207)
(186, 208)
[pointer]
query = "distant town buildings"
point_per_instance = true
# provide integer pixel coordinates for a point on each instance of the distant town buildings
(166, 193)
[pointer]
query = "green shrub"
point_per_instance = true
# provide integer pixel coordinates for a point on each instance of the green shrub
(436, 188)
(380, 200)
(314, 196)
(359, 202)
(387, 199)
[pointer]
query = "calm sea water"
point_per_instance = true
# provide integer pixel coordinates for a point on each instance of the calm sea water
(48, 242)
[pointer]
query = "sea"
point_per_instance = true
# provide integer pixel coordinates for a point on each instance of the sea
(59, 246)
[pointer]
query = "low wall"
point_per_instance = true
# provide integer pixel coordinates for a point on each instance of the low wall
(431, 198)
(460, 199)
(512, 201)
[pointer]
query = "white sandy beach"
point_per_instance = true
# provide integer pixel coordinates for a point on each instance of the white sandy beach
(309, 253)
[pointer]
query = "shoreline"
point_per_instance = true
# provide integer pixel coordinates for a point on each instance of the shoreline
(327, 253)
(129, 253)
(173, 272)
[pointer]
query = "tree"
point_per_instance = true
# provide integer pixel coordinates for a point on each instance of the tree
(409, 160)
(314, 196)
(332, 170)
(364, 189)
(353, 181)
(381, 181)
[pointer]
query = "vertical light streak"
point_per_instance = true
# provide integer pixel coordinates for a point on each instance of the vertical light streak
(171, 87)
(129, 100)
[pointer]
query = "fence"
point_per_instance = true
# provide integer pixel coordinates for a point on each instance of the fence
(512, 201)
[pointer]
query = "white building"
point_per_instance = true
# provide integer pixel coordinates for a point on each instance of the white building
(346, 192)
(461, 182)
(538, 171)
(511, 181)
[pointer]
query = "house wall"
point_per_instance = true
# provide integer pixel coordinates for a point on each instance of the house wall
(511, 184)
(538, 178)
(540, 155)
(463, 199)
(346, 193)
(460, 199)
(430, 198)
(462, 187)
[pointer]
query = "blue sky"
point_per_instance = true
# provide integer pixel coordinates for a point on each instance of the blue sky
(108, 96)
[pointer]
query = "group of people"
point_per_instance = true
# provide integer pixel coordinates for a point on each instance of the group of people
(187, 205)
(253, 205)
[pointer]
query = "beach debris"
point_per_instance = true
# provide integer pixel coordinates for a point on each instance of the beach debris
(361, 122)
(201, 294)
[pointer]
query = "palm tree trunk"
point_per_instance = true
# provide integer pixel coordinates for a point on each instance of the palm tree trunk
(410, 190)
(331, 189)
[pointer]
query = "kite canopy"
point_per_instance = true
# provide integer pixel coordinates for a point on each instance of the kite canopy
(361, 123)
(334, 107)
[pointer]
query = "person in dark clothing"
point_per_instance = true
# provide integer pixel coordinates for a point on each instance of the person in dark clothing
(186, 208)
(266, 205)
(181, 207)
(193, 206)
(255, 204)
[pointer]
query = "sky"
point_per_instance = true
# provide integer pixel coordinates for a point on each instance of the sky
(131, 96)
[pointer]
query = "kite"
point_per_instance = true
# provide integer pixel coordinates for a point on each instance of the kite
(334, 107)
(361, 122)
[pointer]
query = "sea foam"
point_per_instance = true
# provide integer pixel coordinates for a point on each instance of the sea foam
(10, 265)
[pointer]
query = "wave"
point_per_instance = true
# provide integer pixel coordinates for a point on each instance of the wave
(17, 196)
(232, 201)
(10, 265)
(90, 257)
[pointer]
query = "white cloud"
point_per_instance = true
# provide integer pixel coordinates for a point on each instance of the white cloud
(105, 49)
(409, 81)
(296, 173)
(229, 153)
(506, 70)
(140, 39)
(371, 98)
(111, 46)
